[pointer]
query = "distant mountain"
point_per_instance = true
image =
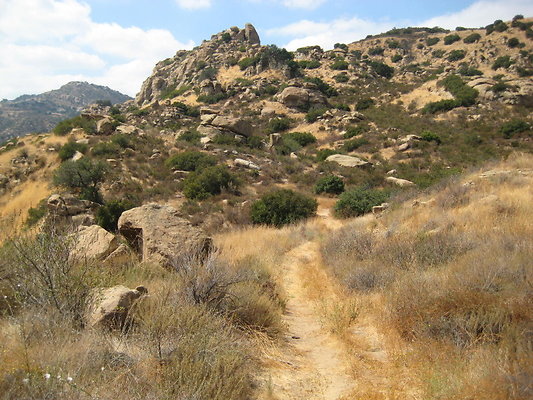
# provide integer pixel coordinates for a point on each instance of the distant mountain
(41, 112)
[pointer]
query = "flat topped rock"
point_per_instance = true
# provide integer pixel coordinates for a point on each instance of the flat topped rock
(347, 161)
(158, 233)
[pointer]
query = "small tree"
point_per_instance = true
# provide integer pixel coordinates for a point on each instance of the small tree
(107, 216)
(358, 201)
(329, 184)
(208, 182)
(282, 207)
(83, 176)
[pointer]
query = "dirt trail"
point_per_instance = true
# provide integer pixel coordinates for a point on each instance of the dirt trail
(312, 365)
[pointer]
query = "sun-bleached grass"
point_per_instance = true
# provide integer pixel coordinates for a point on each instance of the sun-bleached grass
(452, 276)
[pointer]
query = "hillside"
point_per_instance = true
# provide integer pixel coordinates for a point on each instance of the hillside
(266, 224)
(40, 113)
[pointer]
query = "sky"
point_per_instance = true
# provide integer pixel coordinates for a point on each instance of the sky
(47, 43)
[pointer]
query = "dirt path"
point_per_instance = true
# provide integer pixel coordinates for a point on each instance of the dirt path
(312, 365)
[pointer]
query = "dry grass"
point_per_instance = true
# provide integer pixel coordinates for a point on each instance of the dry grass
(453, 281)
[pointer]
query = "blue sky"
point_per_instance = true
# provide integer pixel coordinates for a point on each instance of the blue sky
(47, 43)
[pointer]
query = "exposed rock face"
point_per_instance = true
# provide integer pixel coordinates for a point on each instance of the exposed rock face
(296, 97)
(105, 126)
(94, 242)
(67, 206)
(182, 69)
(110, 307)
(347, 161)
(399, 182)
(158, 233)
(246, 164)
(236, 125)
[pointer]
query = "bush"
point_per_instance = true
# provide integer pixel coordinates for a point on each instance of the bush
(464, 95)
(84, 176)
(364, 104)
(314, 113)
(382, 69)
(329, 184)
(171, 92)
(358, 201)
(393, 44)
(438, 53)
(35, 214)
(282, 207)
(190, 161)
(322, 154)
(340, 65)
(456, 55)
(432, 41)
(212, 98)
(474, 37)
(500, 26)
(302, 138)
(352, 131)
(322, 86)
(105, 149)
(186, 109)
(465, 70)
(431, 137)
(279, 124)
(309, 64)
(191, 136)
(209, 181)
(508, 129)
(226, 37)
(438, 106)
(107, 215)
(340, 46)
(376, 51)
(341, 78)
(246, 63)
(450, 39)
(502, 62)
(68, 150)
(64, 127)
(500, 87)
(354, 144)
(396, 58)
(513, 42)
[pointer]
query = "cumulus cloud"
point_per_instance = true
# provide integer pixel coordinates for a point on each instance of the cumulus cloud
(47, 43)
(346, 30)
(194, 4)
(309, 4)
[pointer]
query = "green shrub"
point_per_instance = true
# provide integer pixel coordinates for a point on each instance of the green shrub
(209, 181)
(108, 214)
(502, 62)
(191, 136)
(456, 55)
(255, 142)
(247, 62)
(524, 72)
(352, 131)
(354, 144)
(341, 78)
(302, 138)
(341, 106)
(105, 149)
(382, 69)
(212, 98)
(314, 113)
(396, 58)
(376, 51)
(282, 207)
(450, 39)
(68, 150)
(207, 73)
(309, 64)
(140, 112)
(122, 140)
(465, 70)
(340, 65)
(510, 128)
(341, 46)
(432, 41)
(438, 106)
(322, 154)
(322, 86)
(464, 95)
(226, 37)
(278, 124)
(393, 44)
(364, 104)
(186, 109)
(500, 26)
(513, 42)
(190, 161)
(83, 176)
(438, 53)
(64, 127)
(474, 37)
(35, 214)
(500, 87)
(358, 201)
(429, 136)
(171, 91)
(329, 184)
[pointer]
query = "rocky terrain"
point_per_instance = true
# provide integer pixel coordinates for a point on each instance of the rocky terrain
(40, 113)
(259, 223)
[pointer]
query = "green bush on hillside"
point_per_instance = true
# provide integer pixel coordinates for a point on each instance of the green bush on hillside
(68, 150)
(510, 128)
(108, 214)
(208, 182)
(64, 127)
(502, 62)
(278, 124)
(456, 55)
(382, 69)
(190, 161)
(331, 184)
(364, 104)
(83, 176)
(282, 207)
(432, 41)
(340, 65)
(358, 201)
(474, 37)
(302, 138)
(450, 39)
(314, 113)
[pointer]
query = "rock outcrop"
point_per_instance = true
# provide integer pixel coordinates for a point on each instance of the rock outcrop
(347, 161)
(296, 97)
(93, 242)
(158, 233)
(109, 308)
(399, 182)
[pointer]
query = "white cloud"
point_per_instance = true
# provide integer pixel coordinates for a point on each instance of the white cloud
(47, 43)
(482, 13)
(308, 4)
(194, 4)
(326, 34)
(347, 30)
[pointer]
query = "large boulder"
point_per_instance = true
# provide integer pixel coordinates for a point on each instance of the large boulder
(93, 242)
(105, 126)
(296, 97)
(251, 34)
(67, 205)
(347, 161)
(158, 233)
(399, 182)
(235, 125)
(110, 307)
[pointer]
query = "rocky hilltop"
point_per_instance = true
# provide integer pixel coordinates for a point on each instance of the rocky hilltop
(40, 113)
